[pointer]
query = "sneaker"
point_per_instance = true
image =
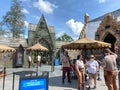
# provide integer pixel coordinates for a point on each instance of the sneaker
(89, 88)
(69, 81)
(94, 87)
(99, 79)
(63, 82)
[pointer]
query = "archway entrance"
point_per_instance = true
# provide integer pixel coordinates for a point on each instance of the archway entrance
(110, 39)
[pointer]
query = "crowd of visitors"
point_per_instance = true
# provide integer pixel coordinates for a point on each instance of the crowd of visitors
(92, 66)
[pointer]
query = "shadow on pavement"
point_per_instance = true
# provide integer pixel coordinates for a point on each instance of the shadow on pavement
(26, 73)
(57, 82)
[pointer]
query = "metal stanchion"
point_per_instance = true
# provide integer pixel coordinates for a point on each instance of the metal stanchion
(52, 65)
(119, 79)
(4, 77)
(37, 71)
(46, 74)
(13, 80)
(53, 57)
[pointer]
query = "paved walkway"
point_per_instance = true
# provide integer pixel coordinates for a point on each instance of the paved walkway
(54, 79)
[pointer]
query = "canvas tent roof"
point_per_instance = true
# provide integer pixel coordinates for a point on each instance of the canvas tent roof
(86, 43)
(4, 48)
(37, 47)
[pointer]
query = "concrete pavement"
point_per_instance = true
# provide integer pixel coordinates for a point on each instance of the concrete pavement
(54, 78)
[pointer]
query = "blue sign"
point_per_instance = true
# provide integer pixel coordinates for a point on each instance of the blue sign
(38, 83)
(57, 61)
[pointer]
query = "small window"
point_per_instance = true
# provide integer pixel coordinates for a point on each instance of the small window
(97, 35)
(107, 26)
(118, 31)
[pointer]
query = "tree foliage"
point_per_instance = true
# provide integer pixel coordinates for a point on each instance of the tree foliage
(65, 37)
(14, 19)
(1, 30)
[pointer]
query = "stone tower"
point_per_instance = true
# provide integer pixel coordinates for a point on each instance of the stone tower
(42, 33)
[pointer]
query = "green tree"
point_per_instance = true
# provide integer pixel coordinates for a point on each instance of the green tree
(1, 30)
(65, 37)
(14, 19)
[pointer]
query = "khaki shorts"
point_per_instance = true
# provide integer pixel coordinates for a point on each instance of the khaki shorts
(91, 75)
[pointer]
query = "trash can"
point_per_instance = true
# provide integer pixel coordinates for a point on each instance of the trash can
(57, 62)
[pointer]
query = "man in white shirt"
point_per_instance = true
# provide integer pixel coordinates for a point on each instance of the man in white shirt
(92, 68)
(29, 61)
(38, 60)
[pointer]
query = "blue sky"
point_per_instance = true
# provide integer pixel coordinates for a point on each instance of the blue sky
(67, 16)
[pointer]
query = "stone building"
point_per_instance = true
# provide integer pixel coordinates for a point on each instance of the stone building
(10, 59)
(45, 35)
(42, 33)
(104, 28)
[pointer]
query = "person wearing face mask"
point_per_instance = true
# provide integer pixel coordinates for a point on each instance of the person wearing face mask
(92, 68)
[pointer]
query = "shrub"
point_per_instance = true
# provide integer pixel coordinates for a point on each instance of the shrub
(35, 57)
(43, 60)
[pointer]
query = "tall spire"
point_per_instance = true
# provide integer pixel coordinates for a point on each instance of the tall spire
(86, 18)
(41, 24)
(42, 18)
(83, 32)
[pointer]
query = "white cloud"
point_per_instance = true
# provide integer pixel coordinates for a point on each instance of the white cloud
(75, 38)
(60, 33)
(45, 6)
(26, 23)
(76, 27)
(25, 11)
(36, 17)
(102, 1)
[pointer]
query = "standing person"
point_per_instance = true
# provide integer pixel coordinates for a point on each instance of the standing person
(65, 66)
(79, 66)
(92, 68)
(98, 78)
(39, 60)
(110, 69)
(29, 61)
(47, 58)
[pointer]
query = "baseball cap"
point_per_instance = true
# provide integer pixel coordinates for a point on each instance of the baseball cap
(92, 56)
